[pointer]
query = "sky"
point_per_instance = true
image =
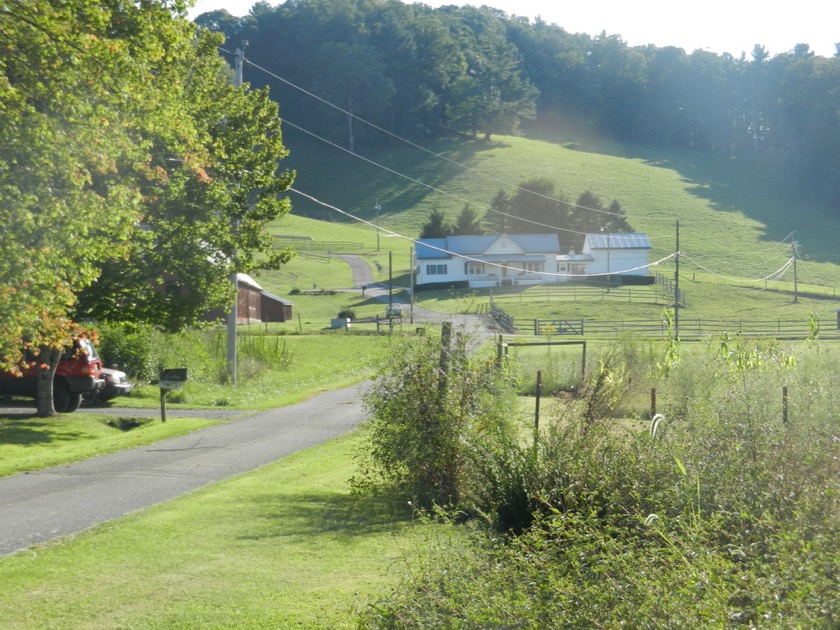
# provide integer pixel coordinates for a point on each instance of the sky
(719, 26)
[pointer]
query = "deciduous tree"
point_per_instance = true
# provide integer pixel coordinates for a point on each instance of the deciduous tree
(116, 150)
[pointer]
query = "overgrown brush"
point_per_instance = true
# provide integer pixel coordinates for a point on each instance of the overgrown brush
(724, 516)
(428, 403)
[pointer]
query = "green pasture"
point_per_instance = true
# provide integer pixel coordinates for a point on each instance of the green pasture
(705, 300)
(286, 546)
(737, 219)
(736, 215)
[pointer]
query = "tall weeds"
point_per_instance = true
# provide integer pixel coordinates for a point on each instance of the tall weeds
(727, 517)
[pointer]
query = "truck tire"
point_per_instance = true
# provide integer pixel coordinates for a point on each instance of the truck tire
(90, 397)
(63, 400)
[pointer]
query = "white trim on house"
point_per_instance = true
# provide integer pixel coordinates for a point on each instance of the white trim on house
(489, 260)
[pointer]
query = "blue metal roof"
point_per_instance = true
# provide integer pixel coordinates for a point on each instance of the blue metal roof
(429, 248)
(628, 240)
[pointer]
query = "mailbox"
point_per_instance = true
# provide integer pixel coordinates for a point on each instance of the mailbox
(173, 378)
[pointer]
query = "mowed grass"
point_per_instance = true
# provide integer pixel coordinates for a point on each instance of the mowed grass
(31, 443)
(286, 546)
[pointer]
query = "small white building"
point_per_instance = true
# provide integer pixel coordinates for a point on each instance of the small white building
(622, 254)
(487, 261)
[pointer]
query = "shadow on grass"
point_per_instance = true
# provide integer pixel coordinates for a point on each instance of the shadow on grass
(21, 430)
(763, 187)
(334, 513)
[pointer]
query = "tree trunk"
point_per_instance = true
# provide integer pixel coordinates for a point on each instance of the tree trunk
(48, 364)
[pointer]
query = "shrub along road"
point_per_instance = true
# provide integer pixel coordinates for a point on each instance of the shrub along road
(39, 506)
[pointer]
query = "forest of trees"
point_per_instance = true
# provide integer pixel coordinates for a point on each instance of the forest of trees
(421, 72)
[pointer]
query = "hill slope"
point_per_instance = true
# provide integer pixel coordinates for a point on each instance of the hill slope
(733, 213)
(736, 217)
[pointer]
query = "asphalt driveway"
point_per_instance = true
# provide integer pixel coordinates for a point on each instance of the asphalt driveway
(39, 506)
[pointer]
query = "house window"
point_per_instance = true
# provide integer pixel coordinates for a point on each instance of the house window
(532, 266)
(475, 268)
(435, 270)
(578, 269)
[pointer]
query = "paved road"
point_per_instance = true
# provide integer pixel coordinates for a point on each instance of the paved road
(39, 506)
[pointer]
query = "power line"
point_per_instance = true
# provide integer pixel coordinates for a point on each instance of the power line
(419, 183)
(772, 276)
(438, 155)
(463, 256)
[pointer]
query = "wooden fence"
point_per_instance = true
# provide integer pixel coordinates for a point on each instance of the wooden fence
(657, 328)
(779, 328)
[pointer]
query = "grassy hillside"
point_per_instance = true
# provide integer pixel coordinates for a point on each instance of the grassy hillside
(736, 216)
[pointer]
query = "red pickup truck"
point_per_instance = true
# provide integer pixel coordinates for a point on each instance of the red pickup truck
(79, 371)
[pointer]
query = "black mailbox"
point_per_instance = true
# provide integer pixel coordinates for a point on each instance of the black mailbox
(172, 378)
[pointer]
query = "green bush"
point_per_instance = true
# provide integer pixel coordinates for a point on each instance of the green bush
(723, 516)
(427, 404)
(128, 347)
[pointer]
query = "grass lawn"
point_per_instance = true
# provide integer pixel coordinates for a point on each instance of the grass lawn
(318, 363)
(34, 443)
(286, 546)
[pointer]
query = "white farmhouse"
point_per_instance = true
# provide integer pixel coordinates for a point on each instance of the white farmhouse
(621, 254)
(487, 261)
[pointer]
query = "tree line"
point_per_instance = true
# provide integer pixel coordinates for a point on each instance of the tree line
(534, 207)
(422, 72)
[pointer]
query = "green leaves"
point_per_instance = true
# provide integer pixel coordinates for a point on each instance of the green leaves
(127, 157)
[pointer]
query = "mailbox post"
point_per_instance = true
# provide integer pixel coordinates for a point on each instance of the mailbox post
(173, 378)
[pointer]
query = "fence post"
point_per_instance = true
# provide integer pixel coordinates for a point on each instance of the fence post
(784, 404)
(652, 402)
(583, 359)
(445, 350)
(537, 405)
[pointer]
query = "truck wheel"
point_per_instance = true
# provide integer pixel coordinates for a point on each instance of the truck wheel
(74, 404)
(63, 400)
(90, 397)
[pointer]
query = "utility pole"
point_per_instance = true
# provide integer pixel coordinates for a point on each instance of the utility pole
(377, 208)
(795, 276)
(607, 230)
(239, 58)
(677, 287)
(411, 283)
